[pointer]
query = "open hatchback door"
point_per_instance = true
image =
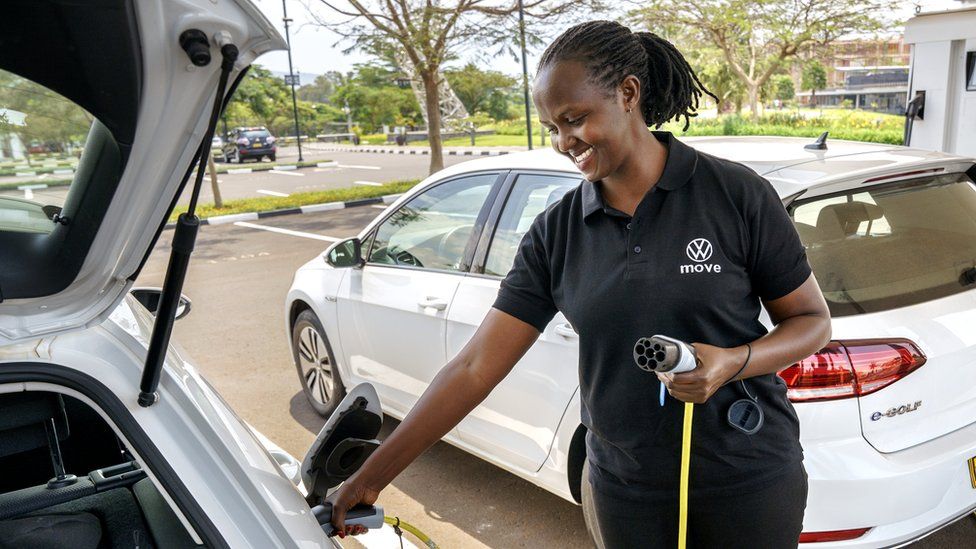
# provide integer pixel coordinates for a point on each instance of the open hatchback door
(124, 70)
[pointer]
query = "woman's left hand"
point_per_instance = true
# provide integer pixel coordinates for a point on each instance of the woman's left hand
(716, 365)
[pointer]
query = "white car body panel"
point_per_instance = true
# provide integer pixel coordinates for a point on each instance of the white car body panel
(379, 305)
(517, 422)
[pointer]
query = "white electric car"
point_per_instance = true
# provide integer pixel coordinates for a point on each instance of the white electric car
(887, 410)
(91, 454)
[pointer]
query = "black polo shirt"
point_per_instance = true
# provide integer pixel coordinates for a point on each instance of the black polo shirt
(704, 246)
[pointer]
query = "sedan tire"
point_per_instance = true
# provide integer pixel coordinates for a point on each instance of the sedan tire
(315, 362)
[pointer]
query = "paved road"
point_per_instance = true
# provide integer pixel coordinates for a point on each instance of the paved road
(238, 280)
(352, 169)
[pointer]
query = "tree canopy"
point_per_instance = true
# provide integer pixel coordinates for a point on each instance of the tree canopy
(758, 38)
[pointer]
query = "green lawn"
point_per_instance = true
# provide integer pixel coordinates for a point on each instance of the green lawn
(295, 200)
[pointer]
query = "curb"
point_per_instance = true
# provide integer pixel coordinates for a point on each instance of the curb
(417, 150)
(311, 208)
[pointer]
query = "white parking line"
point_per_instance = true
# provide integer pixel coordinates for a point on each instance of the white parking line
(370, 183)
(272, 193)
(279, 172)
(286, 231)
(359, 167)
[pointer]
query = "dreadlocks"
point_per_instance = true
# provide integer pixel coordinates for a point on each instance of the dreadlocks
(670, 89)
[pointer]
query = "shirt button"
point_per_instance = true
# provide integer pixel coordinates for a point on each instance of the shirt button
(637, 249)
(628, 226)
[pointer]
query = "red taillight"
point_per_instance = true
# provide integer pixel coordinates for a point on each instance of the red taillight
(833, 535)
(845, 369)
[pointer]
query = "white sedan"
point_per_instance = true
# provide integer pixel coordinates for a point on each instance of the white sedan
(887, 410)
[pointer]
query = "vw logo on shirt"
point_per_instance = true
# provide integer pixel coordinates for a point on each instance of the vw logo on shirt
(699, 250)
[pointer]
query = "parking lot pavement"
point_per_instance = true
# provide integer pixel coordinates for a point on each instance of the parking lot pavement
(352, 169)
(236, 333)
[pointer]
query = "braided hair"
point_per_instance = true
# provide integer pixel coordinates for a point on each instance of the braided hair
(670, 89)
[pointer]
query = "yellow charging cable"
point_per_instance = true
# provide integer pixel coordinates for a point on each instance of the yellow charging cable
(399, 525)
(685, 473)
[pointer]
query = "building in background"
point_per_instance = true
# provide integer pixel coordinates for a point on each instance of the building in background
(870, 74)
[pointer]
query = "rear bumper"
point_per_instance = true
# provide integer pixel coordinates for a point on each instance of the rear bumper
(250, 153)
(902, 496)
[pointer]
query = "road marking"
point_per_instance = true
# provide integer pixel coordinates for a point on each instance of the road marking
(326, 164)
(272, 193)
(359, 167)
(239, 170)
(279, 172)
(286, 231)
(370, 183)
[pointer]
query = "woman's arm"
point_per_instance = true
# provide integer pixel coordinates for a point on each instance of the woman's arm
(462, 384)
(802, 323)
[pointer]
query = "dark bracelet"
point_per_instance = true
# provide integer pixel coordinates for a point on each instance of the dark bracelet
(744, 364)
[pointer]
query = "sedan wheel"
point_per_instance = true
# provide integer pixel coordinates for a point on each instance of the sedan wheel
(316, 364)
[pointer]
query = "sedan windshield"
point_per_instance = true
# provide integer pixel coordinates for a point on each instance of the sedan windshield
(893, 245)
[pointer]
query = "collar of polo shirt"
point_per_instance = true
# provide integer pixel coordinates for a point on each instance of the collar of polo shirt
(678, 169)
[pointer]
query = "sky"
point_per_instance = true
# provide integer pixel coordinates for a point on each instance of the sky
(314, 49)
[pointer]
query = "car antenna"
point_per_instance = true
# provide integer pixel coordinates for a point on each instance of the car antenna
(820, 144)
(194, 42)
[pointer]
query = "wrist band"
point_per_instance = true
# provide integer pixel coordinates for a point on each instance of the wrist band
(744, 364)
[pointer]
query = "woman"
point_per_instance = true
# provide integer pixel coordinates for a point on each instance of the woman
(659, 239)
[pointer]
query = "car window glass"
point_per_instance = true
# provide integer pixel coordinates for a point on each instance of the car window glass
(433, 229)
(530, 195)
(893, 245)
(42, 135)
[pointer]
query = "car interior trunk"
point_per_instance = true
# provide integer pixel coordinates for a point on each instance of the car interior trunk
(111, 503)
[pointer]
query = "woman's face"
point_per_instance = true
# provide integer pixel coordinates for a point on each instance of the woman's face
(587, 122)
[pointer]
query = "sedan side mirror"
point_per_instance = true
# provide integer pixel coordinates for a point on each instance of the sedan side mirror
(347, 253)
(149, 298)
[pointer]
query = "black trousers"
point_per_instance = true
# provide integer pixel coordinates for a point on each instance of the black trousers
(771, 517)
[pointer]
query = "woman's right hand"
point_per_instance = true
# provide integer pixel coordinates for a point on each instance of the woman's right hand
(352, 492)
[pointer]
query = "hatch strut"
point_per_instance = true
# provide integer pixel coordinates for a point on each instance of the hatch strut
(194, 42)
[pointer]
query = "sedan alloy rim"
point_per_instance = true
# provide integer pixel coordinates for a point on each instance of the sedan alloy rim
(316, 366)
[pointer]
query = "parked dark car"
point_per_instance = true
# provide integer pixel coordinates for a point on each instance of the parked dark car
(243, 143)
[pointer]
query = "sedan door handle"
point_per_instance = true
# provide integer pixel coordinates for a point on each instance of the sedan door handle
(433, 303)
(566, 330)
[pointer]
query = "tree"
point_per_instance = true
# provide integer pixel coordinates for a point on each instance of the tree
(428, 31)
(318, 91)
(375, 99)
(49, 120)
(785, 91)
(814, 78)
(481, 91)
(757, 38)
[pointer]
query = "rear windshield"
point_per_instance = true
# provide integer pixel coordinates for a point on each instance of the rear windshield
(42, 135)
(891, 246)
(259, 134)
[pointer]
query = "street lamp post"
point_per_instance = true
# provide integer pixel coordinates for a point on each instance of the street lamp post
(291, 80)
(525, 76)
